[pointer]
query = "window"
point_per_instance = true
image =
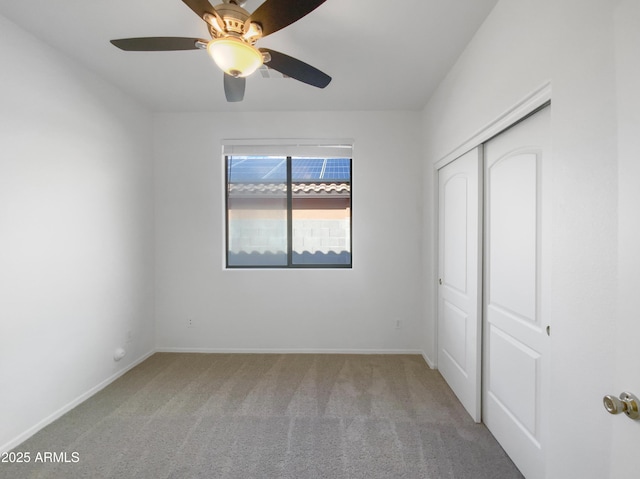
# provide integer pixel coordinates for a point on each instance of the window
(288, 211)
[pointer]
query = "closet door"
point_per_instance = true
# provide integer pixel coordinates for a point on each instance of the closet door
(516, 342)
(459, 291)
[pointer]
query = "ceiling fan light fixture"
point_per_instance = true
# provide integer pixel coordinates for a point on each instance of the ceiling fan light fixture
(235, 57)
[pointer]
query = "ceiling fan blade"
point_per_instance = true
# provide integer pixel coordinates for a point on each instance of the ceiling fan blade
(157, 44)
(297, 69)
(234, 87)
(200, 7)
(273, 15)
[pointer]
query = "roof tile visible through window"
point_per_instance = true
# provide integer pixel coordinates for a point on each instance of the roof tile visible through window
(280, 189)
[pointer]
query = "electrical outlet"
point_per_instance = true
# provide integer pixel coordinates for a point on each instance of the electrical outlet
(398, 323)
(129, 336)
(190, 323)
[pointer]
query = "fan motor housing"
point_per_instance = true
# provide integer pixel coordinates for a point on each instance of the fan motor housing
(234, 17)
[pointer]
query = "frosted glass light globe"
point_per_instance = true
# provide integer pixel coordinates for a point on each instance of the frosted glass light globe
(234, 57)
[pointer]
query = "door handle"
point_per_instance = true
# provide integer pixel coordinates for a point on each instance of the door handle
(627, 403)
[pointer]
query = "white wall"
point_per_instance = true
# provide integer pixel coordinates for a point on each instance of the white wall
(76, 226)
(341, 310)
(523, 44)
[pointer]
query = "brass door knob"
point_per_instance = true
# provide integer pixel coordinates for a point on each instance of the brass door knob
(627, 403)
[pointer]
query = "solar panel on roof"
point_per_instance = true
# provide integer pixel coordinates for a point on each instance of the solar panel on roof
(306, 169)
(337, 169)
(256, 169)
(269, 169)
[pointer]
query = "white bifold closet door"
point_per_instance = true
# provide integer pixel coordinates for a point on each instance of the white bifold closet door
(515, 334)
(459, 290)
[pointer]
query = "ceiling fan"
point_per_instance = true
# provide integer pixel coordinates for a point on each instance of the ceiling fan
(234, 32)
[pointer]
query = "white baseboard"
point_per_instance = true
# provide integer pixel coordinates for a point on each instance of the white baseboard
(68, 407)
(287, 351)
(428, 360)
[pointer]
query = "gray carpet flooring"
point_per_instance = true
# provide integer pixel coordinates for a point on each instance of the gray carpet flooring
(269, 416)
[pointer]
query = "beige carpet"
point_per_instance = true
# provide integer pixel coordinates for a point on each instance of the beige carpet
(270, 416)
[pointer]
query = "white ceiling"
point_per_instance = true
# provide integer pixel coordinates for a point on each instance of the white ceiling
(382, 55)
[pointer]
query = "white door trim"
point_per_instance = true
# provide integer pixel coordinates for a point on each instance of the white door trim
(521, 109)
